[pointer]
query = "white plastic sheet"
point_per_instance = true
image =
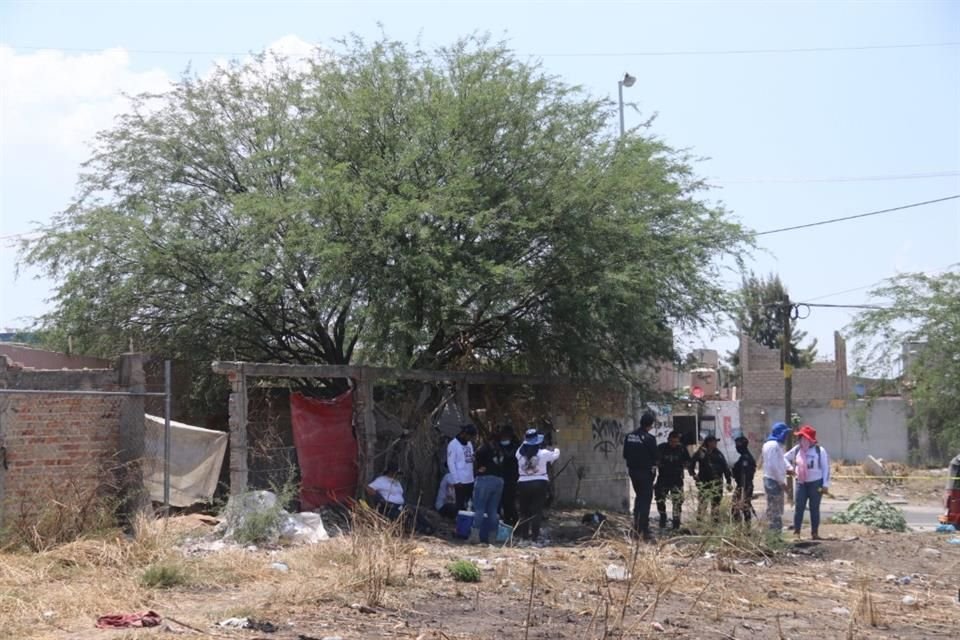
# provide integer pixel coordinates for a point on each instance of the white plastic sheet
(196, 455)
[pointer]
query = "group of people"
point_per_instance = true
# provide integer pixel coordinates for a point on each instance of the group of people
(501, 478)
(657, 473)
(507, 478)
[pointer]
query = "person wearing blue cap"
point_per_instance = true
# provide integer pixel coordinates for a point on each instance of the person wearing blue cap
(775, 475)
(532, 483)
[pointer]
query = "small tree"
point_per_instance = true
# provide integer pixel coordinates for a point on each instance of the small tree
(759, 313)
(923, 311)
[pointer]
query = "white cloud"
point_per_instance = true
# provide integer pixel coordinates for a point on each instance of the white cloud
(54, 102)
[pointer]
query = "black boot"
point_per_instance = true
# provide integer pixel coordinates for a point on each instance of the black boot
(663, 520)
(676, 524)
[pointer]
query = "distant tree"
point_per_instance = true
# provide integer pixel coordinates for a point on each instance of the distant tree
(759, 314)
(448, 209)
(923, 309)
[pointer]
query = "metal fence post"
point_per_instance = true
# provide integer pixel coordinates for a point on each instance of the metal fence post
(166, 438)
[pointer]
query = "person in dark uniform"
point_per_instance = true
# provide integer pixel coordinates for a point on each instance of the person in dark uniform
(709, 468)
(640, 452)
(509, 444)
(672, 460)
(743, 471)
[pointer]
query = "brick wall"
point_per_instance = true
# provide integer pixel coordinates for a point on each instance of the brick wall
(57, 447)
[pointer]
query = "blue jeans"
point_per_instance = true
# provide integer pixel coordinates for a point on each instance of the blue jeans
(774, 494)
(808, 491)
(487, 491)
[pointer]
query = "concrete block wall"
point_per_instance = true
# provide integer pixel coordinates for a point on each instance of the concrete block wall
(849, 432)
(61, 447)
(591, 425)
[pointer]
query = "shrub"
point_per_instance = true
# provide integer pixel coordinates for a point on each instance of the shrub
(464, 571)
(163, 576)
(872, 512)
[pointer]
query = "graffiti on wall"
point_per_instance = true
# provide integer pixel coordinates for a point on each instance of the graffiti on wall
(608, 435)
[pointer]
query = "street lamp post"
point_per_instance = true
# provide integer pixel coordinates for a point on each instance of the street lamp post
(628, 81)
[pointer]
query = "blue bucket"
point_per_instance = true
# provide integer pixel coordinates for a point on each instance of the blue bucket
(504, 531)
(464, 524)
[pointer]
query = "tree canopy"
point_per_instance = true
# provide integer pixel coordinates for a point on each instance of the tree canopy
(918, 313)
(384, 204)
(759, 313)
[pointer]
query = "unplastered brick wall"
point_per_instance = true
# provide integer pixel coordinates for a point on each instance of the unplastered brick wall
(590, 423)
(57, 447)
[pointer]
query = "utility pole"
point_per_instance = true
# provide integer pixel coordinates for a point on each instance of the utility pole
(786, 309)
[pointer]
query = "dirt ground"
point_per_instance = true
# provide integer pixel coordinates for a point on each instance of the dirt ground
(719, 583)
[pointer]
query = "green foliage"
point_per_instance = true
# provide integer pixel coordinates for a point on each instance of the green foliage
(455, 208)
(871, 511)
(759, 313)
(917, 331)
(163, 576)
(464, 571)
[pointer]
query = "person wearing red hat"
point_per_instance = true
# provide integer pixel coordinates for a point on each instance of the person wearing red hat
(811, 465)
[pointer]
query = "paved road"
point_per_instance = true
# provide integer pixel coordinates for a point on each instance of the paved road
(919, 517)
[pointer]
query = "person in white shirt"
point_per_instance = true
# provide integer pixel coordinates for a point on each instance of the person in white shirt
(460, 464)
(446, 502)
(811, 465)
(533, 482)
(775, 475)
(387, 494)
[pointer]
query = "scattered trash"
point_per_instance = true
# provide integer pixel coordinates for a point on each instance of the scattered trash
(47, 615)
(617, 573)
(953, 541)
(128, 620)
(872, 512)
(259, 515)
(234, 623)
(362, 608)
(248, 623)
(931, 552)
(594, 518)
(303, 528)
(946, 528)
(657, 626)
(282, 567)
(843, 563)
(909, 601)
(874, 466)
(904, 580)
(840, 611)
(890, 578)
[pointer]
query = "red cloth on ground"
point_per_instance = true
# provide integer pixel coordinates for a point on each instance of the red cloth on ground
(128, 620)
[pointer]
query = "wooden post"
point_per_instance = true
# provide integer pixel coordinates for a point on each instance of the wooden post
(463, 398)
(238, 432)
(368, 427)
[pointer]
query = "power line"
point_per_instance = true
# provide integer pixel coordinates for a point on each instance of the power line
(871, 285)
(854, 217)
(572, 54)
(876, 178)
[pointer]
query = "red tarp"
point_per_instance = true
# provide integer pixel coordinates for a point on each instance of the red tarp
(326, 448)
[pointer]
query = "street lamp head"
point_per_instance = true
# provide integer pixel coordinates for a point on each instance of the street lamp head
(628, 80)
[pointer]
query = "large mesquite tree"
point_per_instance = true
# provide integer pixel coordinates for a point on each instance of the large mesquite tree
(457, 208)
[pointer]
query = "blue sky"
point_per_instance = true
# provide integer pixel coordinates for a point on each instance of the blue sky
(771, 125)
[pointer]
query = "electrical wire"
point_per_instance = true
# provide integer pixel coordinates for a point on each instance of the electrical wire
(856, 216)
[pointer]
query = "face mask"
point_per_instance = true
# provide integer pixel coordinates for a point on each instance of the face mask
(505, 443)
